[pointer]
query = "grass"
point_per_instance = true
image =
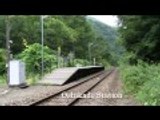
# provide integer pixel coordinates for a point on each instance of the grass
(32, 78)
(142, 81)
(2, 79)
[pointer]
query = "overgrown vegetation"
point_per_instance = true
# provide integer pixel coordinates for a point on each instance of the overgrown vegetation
(140, 35)
(108, 36)
(80, 62)
(2, 66)
(2, 79)
(2, 61)
(143, 81)
(139, 66)
(69, 41)
(32, 57)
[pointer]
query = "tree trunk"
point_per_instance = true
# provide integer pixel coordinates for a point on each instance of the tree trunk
(8, 29)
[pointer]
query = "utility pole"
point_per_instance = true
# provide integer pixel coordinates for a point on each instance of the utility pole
(8, 29)
(42, 17)
(42, 43)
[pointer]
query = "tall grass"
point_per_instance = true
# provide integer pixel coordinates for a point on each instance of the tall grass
(142, 81)
(33, 78)
(2, 79)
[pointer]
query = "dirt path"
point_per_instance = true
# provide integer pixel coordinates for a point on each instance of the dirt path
(116, 85)
(111, 86)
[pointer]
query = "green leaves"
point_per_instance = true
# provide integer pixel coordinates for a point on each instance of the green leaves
(72, 33)
(59, 30)
(149, 94)
(32, 57)
(141, 36)
(80, 62)
(3, 58)
(142, 80)
(106, 50)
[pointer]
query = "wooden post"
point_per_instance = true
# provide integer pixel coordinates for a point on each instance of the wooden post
(59, 54)
(94, 61)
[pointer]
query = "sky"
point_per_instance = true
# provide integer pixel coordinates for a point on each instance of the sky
(107, 19)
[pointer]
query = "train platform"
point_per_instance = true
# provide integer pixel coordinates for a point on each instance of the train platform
(62, 76)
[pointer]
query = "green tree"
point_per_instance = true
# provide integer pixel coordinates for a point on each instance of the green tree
(140, 34)
(57, 33)
(85, 34)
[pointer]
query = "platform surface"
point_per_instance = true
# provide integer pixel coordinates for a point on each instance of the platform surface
(62, 75)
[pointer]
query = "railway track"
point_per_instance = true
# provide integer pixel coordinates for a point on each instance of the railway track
(82, 88)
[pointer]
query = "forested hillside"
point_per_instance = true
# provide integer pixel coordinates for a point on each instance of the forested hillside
(110, 34)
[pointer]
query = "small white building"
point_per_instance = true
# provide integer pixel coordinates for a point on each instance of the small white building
(16, 73)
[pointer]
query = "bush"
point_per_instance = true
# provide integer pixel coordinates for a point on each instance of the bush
(127, 58)
(143, 81)
(134, 76)
(77, 63)
(33, 78)
(80, 62)
(149, 93)
(3, 79)
(32, 58)
(104, 63)
(2, 61)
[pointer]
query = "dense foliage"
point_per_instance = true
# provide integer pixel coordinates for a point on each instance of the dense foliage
(140, 34)
(2, 66)
(32, 56)
(73, 34)
(68, 40)
(143, 81)
(140, 69)
(107, 37)
(2, 61)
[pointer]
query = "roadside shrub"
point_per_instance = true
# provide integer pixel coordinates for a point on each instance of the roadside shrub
(149, 93)
(32, 58)
(2, 79)
(2, 61)
(134, 76)
(105, 63)
(143, 81)
(80, 62)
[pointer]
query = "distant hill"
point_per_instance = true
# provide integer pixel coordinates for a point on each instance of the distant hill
(106, 31)
(109, 33)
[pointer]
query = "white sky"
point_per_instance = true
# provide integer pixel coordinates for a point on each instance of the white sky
(107, 19)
